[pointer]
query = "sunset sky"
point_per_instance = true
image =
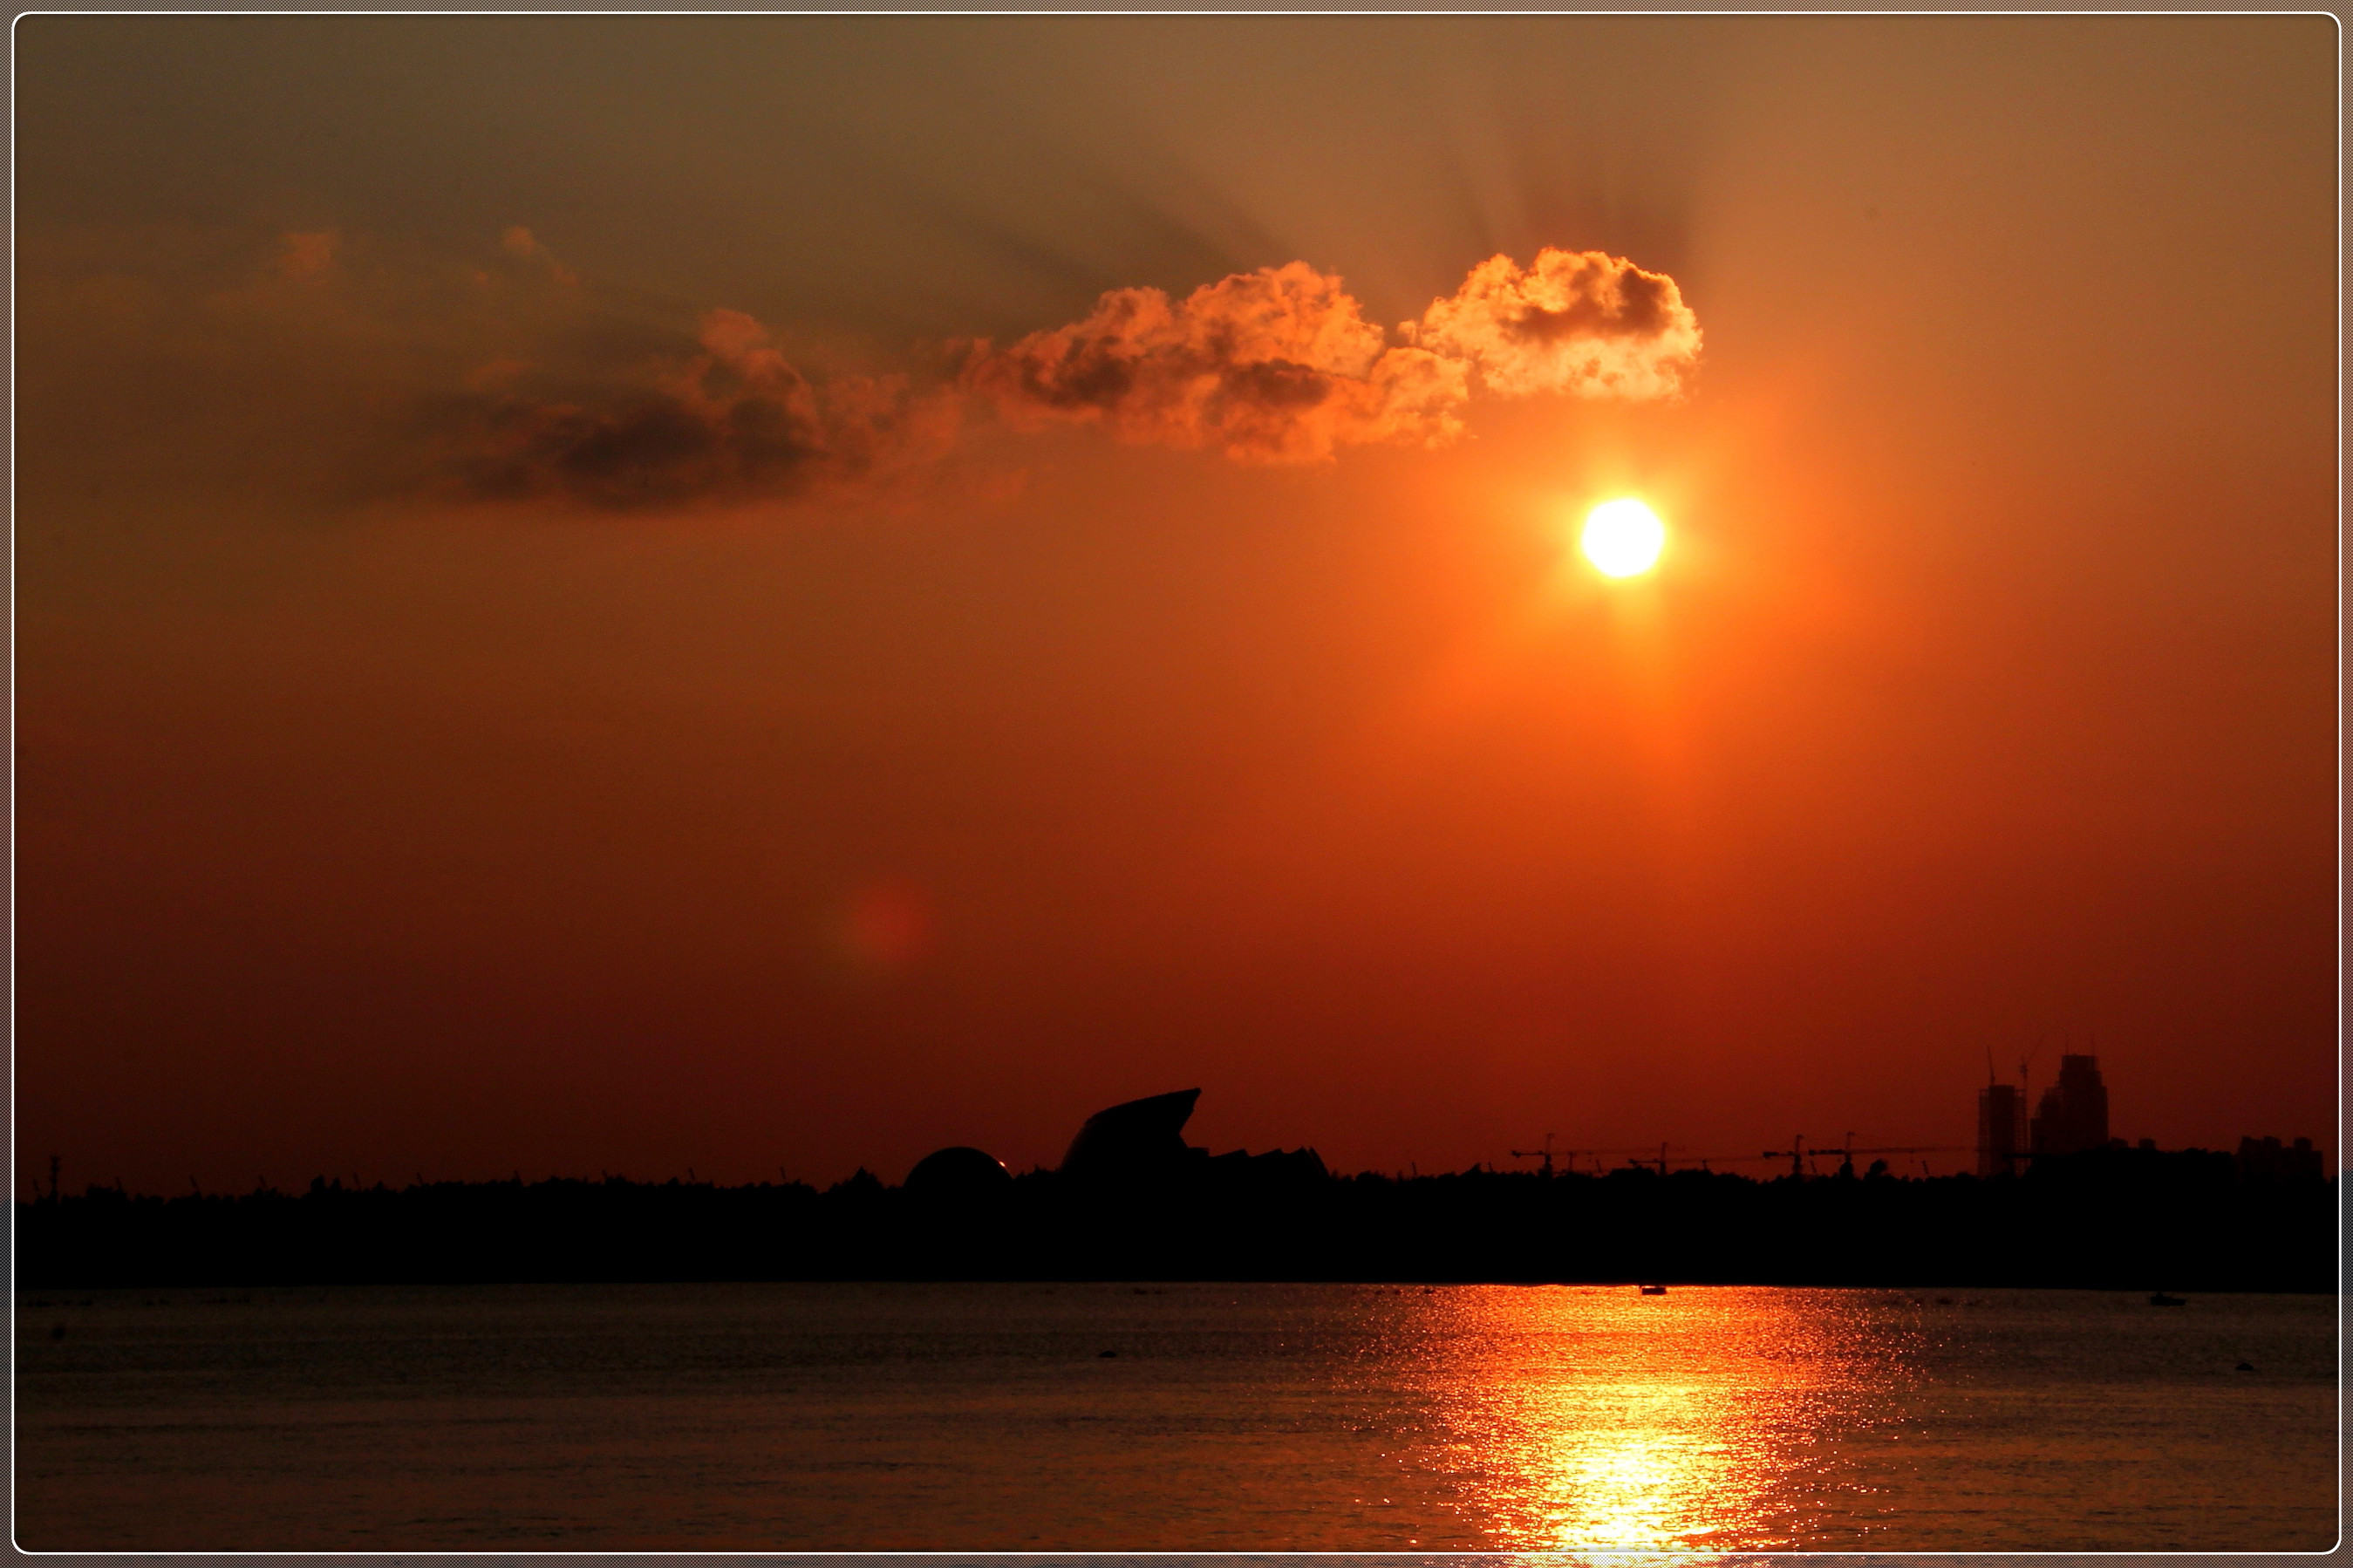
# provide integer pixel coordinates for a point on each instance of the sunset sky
(767, 594)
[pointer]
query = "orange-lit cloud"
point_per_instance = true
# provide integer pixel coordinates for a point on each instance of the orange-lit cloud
(1274, 366)
(521, 245)
(1581, 322)
(305, 254)
(523, 382)
(1279, 365)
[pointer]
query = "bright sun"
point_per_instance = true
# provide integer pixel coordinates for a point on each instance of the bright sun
(1622, 537)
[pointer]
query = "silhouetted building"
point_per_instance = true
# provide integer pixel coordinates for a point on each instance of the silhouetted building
(2072, 1115)
(2265, 1160)
(1140, 1139)
(1143, 1141)
(960, 1171)
(2002, 1117)
(1274, 1169)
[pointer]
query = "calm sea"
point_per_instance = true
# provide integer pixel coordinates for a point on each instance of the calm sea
(1232, 1418)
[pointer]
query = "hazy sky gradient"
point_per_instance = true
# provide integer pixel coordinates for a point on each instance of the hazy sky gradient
(1986, 695)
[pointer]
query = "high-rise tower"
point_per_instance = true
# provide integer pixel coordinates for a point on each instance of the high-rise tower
(2072, 1115)
(2001, 1118)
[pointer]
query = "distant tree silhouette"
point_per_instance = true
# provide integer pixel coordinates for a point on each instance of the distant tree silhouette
(2121, 1218)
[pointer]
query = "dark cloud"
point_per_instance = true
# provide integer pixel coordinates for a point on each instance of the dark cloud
(732, 421)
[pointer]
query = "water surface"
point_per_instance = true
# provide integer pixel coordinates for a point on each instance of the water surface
(1234, 1417)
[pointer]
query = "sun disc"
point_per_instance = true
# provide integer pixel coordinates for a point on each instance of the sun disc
(1622, 538)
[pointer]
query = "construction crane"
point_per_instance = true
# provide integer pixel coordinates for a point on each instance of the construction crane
(1847, 1151)
(1569, 1156)
(1800, 1157)
(1709, 1162)
(1911, 1149)
(1640, 1156)
(1545, 1153)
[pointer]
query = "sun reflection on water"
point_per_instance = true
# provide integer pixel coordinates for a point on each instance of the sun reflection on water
(1598, 1422)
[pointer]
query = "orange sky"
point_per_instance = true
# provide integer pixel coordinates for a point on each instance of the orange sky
(372, 820)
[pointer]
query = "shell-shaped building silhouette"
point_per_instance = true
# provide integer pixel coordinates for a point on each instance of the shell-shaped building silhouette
(1139, 1139)
(1136, 1142)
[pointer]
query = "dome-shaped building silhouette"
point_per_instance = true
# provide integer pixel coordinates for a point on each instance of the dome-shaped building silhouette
(958, 1171)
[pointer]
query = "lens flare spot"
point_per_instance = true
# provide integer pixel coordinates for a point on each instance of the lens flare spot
(886, 926)
(1622, 538)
